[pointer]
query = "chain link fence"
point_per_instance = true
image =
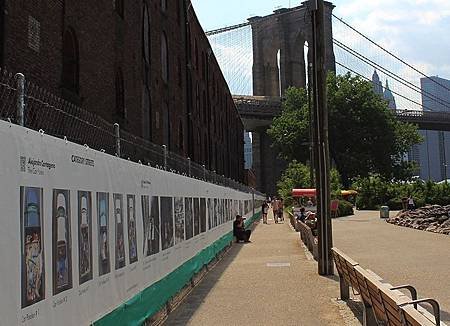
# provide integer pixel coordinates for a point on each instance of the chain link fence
(22, 102)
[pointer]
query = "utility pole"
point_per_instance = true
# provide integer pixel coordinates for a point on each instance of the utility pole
(311, 131)
(320, 131)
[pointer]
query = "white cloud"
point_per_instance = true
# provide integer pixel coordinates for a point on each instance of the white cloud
(416, 30)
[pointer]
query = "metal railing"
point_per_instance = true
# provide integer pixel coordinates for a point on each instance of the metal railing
(24, 103)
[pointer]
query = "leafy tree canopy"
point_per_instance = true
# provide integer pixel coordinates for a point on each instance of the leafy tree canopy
(364, 135)
(297, 175)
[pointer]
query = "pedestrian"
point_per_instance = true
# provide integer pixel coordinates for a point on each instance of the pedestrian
(264, 210)
(280, 209)
(411, 204)
(301, 215)
(275, 209)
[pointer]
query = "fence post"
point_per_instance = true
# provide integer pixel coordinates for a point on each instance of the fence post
(165, 156)
(20, 100)
(189, 166)
(117, 137)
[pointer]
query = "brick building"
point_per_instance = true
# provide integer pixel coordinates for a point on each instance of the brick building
(145, 64)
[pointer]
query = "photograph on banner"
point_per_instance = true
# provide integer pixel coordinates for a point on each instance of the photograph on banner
(84, 236)
(235, 208)
(61, 241)
(32, 241)
(146, 222)
(120, 241)
(210, 213)
(196, 216)
(220, 208)
(167, 222)
(224, 210)
(216, 212)
(131, 222)
(189, 218)
(152, 226)
(240, 208)
(179, 219)
(104, 265)
(202, 215)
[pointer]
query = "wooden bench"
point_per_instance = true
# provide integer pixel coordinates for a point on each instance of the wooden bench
(308, 238)
(383, 303)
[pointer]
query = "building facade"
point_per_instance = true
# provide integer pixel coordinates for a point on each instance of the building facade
(144, 64)
(432, 155)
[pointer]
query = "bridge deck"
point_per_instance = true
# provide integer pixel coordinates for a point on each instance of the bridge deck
(253, 285)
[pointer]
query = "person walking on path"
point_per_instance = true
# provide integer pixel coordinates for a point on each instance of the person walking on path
(264, 210)
(280, 210)
(275, 209)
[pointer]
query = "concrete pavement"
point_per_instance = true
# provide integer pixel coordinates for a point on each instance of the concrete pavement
(398, 254)
(269, 281)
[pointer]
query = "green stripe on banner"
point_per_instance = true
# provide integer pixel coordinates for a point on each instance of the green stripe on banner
(152, 299)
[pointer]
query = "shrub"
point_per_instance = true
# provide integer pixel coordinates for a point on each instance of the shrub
(345, 208)
(395, 204)
(374, 192)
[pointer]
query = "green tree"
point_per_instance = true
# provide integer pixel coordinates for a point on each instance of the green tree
(297, 175)
(289, 131)
(364, 135)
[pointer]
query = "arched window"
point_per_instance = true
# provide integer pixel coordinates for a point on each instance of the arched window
(164, 58)
(196, 54)
(180, 73)
(118, 6)
(120, 94)
(180, 137)
(146, 35)
(70, 69)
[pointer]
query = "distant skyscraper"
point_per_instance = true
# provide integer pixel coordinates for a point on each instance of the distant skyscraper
(377, 86)
(378, 89)
(248, 154)
(389, 97)
(434, 151)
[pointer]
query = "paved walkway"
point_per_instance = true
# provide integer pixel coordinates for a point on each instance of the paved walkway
(269, 281)
(398, 254)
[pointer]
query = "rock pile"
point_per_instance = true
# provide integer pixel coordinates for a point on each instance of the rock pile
(433, 218)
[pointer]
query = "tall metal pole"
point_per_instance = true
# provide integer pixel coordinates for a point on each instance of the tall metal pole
(321, 149)
(310, 116)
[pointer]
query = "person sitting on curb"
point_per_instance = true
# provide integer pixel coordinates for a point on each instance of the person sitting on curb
(239, 230)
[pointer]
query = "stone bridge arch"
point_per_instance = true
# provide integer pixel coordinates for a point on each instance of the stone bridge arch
(286, 30)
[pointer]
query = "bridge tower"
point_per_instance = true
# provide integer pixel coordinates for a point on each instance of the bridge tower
(278, 63)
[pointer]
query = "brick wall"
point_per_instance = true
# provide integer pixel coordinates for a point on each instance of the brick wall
(192, 112)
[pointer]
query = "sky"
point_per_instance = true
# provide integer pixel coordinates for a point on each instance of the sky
(416, 30)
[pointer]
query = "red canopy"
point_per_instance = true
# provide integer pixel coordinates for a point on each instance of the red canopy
(303, 192)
